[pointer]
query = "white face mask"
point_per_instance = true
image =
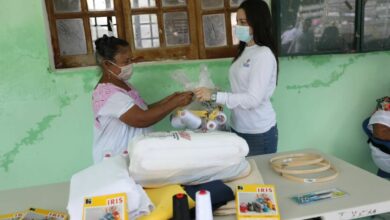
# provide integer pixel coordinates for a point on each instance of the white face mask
(126, 72)
(242, 33)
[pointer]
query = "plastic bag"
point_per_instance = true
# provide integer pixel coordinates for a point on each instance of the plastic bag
(204, 79)
(198, 115)
(109, 176)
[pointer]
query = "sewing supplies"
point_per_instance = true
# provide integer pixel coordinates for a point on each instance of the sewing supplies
(221, 118)
(211, 125)
(203, 207)
(107, 155)
(35, 213)
(180, 207)
(292, 165)
(113, 207)
(125, 154)
(202, 115)
(176, 122)
(318, 196)
(256, 201)
(190, 119)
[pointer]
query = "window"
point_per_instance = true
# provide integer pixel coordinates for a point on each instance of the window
(376, 25)
(331, 26)
(155, 29)
(161, 29)
(216, 18)
(316, 26)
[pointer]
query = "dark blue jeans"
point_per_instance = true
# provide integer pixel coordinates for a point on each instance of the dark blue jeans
(262, 143)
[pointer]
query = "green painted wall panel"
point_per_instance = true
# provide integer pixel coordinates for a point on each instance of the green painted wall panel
(46, 116)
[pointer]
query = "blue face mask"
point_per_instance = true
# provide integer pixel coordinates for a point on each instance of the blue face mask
(242, 33)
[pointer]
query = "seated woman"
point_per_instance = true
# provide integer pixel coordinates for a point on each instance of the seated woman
(120, 113)
(377, 127)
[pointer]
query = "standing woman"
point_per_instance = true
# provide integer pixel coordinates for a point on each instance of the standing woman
(120, 113)
(253, 77)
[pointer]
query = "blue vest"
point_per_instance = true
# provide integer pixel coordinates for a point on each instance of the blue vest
(384, 146)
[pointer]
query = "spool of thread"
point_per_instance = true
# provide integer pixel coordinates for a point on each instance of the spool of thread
(243, 207)
(190, 120)
(107, 155)
(211, 125)
(221, 118)
(125, 154)
(176, 122)
(203, 207)
(180, 207)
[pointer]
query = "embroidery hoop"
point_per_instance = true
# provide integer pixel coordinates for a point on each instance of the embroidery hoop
(281, 163)
(313, 180)
(294, 160)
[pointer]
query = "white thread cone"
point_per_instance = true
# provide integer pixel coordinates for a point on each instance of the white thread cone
(211, 125)
(203, 205)
(190, 120)
(221, 118)
(177, 123)
(107, 155)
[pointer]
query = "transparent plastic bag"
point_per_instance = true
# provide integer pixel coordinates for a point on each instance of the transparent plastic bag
(207, 116)
(204, 79)
(110, 176)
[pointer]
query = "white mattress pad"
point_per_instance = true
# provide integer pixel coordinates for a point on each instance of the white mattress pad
(186, 157)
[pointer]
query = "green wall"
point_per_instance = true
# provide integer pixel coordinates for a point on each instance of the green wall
(46, 117)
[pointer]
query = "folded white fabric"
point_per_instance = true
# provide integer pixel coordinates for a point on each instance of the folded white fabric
(186, 157)
(109, 176)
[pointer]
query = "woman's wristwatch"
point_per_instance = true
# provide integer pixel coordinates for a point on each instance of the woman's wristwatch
(213, 96)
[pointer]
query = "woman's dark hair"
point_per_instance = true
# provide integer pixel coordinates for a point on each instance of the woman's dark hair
(108, 47)
(259, 18)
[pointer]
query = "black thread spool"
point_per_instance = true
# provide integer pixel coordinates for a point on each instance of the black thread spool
(180, 207)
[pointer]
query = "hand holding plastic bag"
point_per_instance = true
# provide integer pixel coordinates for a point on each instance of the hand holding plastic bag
(198, 115)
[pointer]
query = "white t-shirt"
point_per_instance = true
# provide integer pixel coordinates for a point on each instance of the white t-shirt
(253, 80)
(111, 135)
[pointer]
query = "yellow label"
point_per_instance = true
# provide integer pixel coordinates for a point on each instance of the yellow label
(108, 207)
(11, 216)
(34, 213)
(256, 201)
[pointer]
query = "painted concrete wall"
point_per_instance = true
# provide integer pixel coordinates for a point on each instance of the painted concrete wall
(46, 117)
